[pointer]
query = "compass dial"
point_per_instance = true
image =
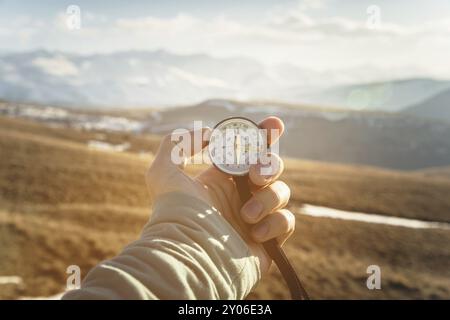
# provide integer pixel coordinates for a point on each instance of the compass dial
(235, 144)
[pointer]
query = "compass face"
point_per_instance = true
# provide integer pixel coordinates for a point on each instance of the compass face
(235, 144)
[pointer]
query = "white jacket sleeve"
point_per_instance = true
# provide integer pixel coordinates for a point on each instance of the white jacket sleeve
(186, 251)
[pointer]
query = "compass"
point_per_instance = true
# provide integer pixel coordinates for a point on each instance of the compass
(234, 145)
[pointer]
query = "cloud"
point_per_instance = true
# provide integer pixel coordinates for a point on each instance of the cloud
(301, 35)
(179, 23)
(305, 5)
(198, 80)
(182, 24)
(57, 66)
(298, 21)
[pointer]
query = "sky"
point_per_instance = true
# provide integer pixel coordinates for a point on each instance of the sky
(403, 37)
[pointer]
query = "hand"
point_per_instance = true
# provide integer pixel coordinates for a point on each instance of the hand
(264, 212)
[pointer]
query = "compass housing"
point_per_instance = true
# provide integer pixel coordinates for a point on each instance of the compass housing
(235, 144)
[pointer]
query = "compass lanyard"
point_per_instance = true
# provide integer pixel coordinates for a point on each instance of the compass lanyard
(274, 250)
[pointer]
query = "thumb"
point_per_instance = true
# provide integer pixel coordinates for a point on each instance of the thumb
(181, 145)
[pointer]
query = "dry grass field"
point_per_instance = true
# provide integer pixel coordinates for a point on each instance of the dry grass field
(62, 203)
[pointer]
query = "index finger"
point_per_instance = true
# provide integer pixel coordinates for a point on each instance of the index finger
(274, 127)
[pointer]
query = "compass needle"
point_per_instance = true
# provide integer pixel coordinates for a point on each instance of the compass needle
(238, 148)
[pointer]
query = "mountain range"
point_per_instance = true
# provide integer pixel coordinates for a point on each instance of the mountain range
(136, 79)
(160, 78)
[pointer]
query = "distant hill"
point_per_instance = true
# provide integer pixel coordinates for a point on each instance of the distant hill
(369, 138)
(437, 107)
(386, 140)
(384, 96)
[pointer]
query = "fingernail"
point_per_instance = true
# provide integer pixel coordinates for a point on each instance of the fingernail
(261, 230)
(263, 171)
(267, 171)
(252, 209)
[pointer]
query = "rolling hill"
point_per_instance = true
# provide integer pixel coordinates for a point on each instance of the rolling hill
(436, 107)
(391, 96)
(386, 140)
(353, 137)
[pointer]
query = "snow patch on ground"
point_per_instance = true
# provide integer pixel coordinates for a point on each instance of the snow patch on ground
(316, 211)
(10, 280)
(104, 146)
(52, 115)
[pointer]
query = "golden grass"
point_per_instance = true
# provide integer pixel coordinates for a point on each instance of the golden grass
(365, 189)
(62, 203)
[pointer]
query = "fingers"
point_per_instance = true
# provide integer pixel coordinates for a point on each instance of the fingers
(263, 210)
(279, 225)
(261, 175)
(274, 127)
(270, 165)
(266, 201)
